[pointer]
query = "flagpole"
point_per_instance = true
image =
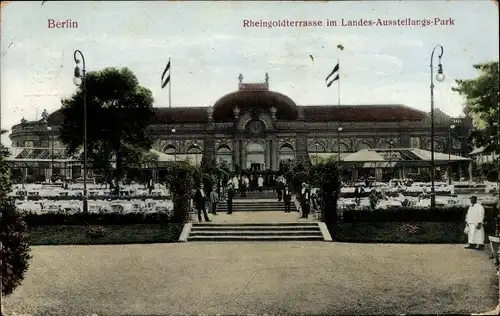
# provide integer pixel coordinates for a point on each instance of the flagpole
(338, 82)
(170, 85)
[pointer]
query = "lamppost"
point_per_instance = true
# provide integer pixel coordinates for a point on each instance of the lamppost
(80, 81)
(175, 148)
(450, 148)
(51, 137)
(317, 145)
(391, 144)
(196, 155)
(339, 129)
(439, 78)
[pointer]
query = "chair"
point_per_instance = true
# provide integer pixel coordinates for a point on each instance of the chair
(494, 246)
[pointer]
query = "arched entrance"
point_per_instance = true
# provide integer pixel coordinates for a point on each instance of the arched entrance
(255, 157)
(287, 153)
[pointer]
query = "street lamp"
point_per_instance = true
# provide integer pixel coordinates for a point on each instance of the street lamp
(196, 155)
(175, 148)
(51, 138)
(80, 81)
(439, 78)
(450, 148)
(391, 144)
(317, 145)
(339, 129)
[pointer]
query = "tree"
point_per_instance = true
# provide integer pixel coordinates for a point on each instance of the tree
(326, 177)
(119, 112)
(182, 179)
(15, 250)
(482, 104)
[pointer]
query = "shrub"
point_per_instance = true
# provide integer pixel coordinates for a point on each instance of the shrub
(51, 219)
(15, 252)
(325, 176)
(96, 231)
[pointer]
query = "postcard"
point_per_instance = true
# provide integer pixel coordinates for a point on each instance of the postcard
(250, 157)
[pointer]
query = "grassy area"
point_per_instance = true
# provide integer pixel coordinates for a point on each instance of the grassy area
(113, 234)
(395, 232)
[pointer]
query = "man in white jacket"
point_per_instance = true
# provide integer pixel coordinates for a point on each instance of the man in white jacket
(474, 220)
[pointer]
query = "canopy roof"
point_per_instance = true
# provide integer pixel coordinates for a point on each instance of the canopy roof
(398, 157)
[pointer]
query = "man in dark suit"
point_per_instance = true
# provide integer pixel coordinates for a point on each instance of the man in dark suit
(230, 196)
(287, 198)
(280, 186)
(200, 200)
(305, 200)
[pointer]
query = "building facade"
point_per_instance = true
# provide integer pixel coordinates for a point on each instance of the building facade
(255, 128)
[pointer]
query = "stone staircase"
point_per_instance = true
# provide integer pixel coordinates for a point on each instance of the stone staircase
(300, 231)
(255, 206)
(252, 195)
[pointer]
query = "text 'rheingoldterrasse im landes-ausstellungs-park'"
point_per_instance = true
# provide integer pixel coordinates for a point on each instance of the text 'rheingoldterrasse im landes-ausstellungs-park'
(406, 22)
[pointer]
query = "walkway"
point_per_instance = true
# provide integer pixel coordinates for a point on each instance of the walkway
(255, 278)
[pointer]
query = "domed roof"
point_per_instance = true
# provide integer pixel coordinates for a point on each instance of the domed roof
(247, 100)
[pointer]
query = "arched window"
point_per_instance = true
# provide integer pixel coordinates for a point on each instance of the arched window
(364, 145)
(225, 155)
(170, 150)
(255, 147)
(316, 147)
(286, 152)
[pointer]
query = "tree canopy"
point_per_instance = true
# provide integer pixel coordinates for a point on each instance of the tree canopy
(119, 111)
(482, 104)
(15, 252)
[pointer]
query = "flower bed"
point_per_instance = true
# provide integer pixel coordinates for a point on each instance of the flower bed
(103, 235)
(397, 232)
(80, 218)
(401, 214)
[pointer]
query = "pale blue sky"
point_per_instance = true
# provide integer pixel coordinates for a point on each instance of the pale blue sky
(209, 48)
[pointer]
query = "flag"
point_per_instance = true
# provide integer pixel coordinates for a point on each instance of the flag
(165, 79)
(335, 69)
(340, 46)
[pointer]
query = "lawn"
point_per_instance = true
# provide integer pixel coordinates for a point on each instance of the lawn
(286, 278)
(113, 234)
(398, 232)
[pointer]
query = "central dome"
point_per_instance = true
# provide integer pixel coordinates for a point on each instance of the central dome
(286, 109)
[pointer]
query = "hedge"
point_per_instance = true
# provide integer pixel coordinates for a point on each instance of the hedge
(410, 194)
(50, 219)
(401, 214)
(97, 198)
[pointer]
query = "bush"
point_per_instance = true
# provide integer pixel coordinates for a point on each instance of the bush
(15, 252)
(326, 177)
(51, 219)
(183, 179)
(96, 231)
(403, 214)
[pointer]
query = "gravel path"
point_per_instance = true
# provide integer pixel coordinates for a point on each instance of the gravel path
(274, 278)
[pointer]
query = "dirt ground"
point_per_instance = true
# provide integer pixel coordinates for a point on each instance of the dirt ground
(241, 278)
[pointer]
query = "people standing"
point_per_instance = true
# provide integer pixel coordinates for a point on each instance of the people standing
(305, 200)
(230, 196)
(280, 186)
(287, 198)
(200, 199)
(245, 183)
(214, 200)
(474, 221)
(236, 183)
(260, 182)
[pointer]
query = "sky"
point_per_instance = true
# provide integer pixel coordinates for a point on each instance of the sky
(209, 47)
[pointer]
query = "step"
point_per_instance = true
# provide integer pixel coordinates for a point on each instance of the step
(317, 232)
(259, 225)
(255, 238)
(255, 229)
